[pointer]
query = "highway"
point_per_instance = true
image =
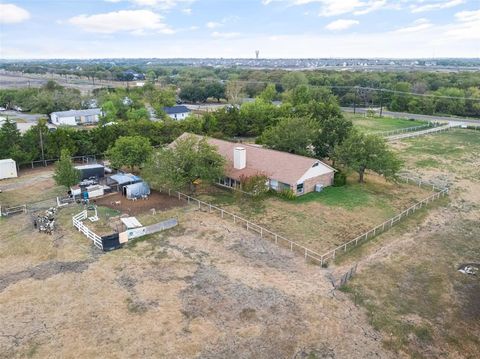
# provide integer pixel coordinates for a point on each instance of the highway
(361, 110)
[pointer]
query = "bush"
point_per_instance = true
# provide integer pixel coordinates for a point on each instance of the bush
(288, 194)
(339, 179)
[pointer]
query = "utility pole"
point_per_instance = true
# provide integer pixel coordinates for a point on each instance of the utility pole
(41, 146)
(381, 103)
(355, 102)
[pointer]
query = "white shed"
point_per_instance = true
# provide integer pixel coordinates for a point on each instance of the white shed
(8, 168)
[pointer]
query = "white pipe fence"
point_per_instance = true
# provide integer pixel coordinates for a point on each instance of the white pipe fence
(304, 251)
(423, 133)
(77, 223)
(250, 226)
(382, 227)
(404, 130)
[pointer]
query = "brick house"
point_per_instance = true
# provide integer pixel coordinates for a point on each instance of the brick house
(284, 170)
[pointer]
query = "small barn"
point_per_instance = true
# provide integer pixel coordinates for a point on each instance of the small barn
(136, 190)
(120, 180)
(93, 170)
(8, 168)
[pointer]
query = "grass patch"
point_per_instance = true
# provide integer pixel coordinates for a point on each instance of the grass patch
(382, 124)
(349, 196)
(428, 163)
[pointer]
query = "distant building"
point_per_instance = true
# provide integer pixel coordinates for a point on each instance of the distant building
(76, 117)
(177, 112)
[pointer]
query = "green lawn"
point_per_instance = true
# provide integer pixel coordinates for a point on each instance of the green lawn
(381, 124)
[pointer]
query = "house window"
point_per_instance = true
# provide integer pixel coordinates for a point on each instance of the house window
(300, 188)
(77, 119)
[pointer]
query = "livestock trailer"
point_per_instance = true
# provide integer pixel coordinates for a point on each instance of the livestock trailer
(94, 170)
(8, 168)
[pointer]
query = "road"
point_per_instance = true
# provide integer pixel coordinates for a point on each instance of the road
(416, 116)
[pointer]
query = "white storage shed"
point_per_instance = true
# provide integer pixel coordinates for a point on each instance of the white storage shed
(8, 168)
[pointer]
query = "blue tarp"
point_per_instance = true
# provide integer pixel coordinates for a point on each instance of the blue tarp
(137, 190)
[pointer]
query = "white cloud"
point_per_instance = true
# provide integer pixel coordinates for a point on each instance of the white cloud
(339, 7)
(466, 27)
(10, 14)
(437, 5)
(417, 25)
(225, 35)
(341, 24)
(213, 24)
(133, 21)
(159, 4)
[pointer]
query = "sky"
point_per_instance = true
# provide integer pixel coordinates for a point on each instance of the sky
(82, 29)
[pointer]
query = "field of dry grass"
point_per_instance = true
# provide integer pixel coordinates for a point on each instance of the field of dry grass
(408, 280)
(204, 289)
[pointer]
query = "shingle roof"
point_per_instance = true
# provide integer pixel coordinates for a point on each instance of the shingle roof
(175, 109)
(281, 166)
(70, 113)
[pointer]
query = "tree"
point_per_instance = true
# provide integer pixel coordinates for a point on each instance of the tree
(361, 152)
(233, 91)
(269, 93)
(189, 160)
(215, 90)
(293, 79)
(131, 151)
(65, 173)
(291, 134)
(256, 185)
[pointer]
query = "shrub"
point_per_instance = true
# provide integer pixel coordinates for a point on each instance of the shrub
(339, 179)
(288, 194)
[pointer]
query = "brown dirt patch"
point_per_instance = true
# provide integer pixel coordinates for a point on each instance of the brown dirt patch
(157, 200)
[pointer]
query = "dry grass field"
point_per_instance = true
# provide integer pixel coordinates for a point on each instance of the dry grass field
(408, 280)
(203, 289)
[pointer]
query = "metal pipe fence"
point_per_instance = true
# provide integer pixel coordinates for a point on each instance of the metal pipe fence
(332, 254)
(307, 253)
(265, 233)
(404, 130)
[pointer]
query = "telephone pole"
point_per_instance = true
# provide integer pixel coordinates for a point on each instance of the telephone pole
(41, 146)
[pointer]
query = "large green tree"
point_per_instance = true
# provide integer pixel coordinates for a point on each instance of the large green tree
(292, 134)
(361, 152)
(65, 173)
(188, 160)
(129, 151)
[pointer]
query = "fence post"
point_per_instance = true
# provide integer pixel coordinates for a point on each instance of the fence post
(276, 239)
(221, 213)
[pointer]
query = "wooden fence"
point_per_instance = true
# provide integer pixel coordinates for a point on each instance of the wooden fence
(77, 223)
(7, 211)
